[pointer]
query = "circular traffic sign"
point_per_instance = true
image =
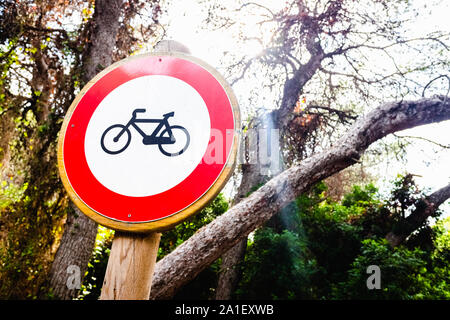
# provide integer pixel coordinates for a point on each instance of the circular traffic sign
(149, 141)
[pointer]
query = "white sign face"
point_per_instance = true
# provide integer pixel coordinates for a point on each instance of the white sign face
(147, 135)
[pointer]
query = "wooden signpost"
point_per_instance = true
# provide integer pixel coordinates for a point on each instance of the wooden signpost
(145, 145)
(130, 266)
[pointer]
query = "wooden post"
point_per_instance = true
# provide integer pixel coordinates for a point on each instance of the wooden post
(130, 266)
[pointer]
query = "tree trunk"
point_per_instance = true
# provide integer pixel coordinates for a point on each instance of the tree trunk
(418, 216)
(259, 163)
(210, 242)
(230, 271)
(74, 252)
(103, 27)
(79, 235)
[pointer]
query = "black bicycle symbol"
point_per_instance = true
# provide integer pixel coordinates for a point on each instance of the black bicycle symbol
(113, 134)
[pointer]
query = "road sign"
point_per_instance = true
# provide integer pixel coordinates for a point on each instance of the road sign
(149, 141)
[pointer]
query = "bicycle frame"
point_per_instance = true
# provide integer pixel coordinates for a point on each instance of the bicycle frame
(151, 139)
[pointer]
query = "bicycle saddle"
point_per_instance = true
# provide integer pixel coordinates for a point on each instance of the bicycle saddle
(170, 114)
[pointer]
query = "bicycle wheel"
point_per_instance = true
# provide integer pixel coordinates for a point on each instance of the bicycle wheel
(182, 140)
(113, 145)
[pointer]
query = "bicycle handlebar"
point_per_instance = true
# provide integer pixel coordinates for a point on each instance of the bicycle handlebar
(137, 110)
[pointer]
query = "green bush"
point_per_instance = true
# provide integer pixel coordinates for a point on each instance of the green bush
(317, 248)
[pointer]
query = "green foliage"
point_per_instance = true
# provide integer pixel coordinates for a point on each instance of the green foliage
(360, 196)
(318, 248)
(400, 269)
(23, 262)
(289, 279)
(405, 195)
(405, 274)
(32, 201)
(93, 280)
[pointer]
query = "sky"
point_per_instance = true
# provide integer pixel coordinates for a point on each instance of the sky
(185, 23)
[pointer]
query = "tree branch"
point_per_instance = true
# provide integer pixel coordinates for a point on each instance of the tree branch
(272, 15)
(424, 139)
(416, 219)
(209, 243)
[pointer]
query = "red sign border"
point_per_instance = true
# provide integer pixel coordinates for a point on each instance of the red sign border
(130, 219)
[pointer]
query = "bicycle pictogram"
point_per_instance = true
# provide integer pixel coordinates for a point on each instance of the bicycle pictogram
(117, 137)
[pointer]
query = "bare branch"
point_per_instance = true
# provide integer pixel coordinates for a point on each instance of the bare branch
(399, 42)
(424, 139)
(343, 115)
(244, 70)
(259, 6)
(431, 81)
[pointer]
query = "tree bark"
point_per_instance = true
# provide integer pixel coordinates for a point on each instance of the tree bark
(294, 86)
(103, 34)
(79, 235)
(230, 270)
(210, 242)
(254, 173)
(72, 257)
(418, 217)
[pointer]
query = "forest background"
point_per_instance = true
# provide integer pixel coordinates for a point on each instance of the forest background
(358, 93)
